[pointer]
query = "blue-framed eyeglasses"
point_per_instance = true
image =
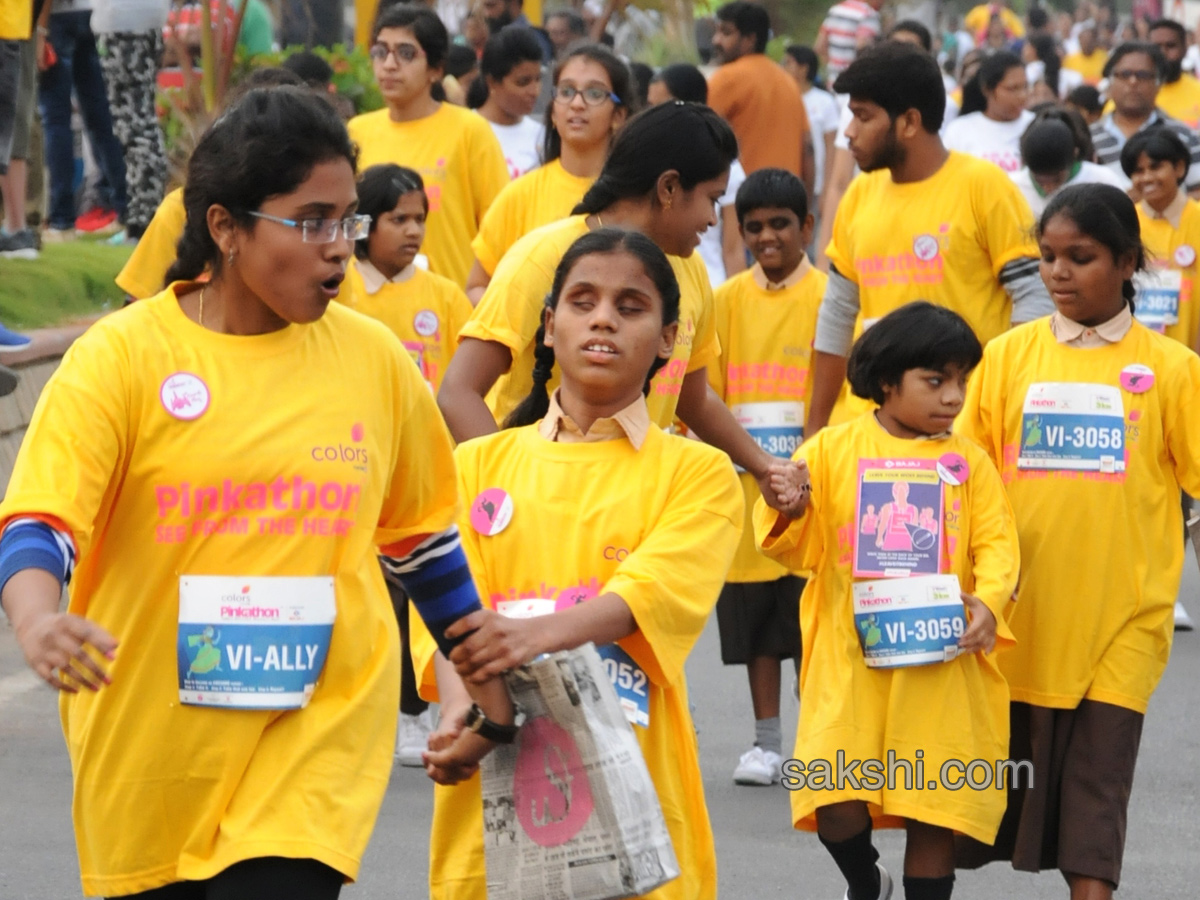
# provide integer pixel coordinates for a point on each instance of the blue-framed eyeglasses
(324, 231)
(593, 95)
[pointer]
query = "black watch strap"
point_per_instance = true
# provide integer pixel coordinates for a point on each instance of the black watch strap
(477, 722)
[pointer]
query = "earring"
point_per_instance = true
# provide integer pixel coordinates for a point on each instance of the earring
(231, 256)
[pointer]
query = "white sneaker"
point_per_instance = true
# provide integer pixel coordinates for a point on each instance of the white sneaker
(1183, 622)
(412, 739)
(885, 884)
(758, 766)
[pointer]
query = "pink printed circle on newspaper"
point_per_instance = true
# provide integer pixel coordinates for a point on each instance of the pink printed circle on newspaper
(1185, 255)
(1137, 379)
(425, 323)
(953, 468)
(550, 787)
(925, 247)
(491, 511)
(185, 396)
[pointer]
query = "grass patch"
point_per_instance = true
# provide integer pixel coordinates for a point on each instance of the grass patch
(68, 282)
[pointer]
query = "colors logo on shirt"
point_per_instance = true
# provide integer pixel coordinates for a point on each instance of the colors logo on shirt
(185, 396)
(344, 452)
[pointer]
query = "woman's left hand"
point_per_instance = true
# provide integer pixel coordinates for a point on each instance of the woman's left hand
(497, 645)
(459, 761)
(981, 630)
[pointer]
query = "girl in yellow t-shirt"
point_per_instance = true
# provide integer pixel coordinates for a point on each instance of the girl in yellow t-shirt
(225, 461)
(1093, 421)
(667, 169)
(593, 95)
(1157, 161)
(385, 281)
(638, 574)
(903, 692)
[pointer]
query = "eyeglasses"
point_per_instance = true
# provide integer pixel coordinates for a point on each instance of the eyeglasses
(1135, 75)
(324, 231)
(592, 95)
(405, 53)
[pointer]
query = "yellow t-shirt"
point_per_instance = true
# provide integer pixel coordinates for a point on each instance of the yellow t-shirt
(1090, 67)
(462, 164)
(978, 18)
(16, 20)
(956, 710)
(661, 526)
(1166, 248)
(145, 272)
(426, 312)
(1101, 553)
(944, 239)
(168, 449)
(766, 349)
(537, 198)
(510, 312)
(1181, 100)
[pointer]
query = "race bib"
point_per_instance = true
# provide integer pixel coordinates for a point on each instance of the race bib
(627, 677)
(1073, 427)
(777, 427)
(630, 682)
(909, 621)
(252, 642)
(899, 515)
(1158, 293)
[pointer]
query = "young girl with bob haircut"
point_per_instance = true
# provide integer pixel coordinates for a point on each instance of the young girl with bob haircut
(667, 169)
(593, 94)
(913, 364)
(191, 451)
(668, 508)
(1092, 419)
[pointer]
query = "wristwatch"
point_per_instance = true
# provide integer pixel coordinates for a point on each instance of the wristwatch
(477, 722)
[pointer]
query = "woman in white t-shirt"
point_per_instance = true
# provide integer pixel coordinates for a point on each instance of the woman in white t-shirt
(994, 133)
(509, 82)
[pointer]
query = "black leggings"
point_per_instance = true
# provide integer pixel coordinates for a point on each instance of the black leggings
(264, 878)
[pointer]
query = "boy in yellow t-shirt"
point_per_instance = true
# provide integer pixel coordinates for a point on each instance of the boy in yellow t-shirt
(766, 318)
(453, 149)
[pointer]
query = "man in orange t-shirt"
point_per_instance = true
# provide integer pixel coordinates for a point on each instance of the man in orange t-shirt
(759, 99)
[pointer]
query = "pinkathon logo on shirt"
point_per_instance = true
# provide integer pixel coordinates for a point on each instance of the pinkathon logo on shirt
(295, 494)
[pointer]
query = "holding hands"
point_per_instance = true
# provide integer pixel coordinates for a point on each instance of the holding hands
(786, 487)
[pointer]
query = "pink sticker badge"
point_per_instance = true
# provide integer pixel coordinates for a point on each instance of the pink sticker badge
(953, 469)
(573, 596)
(491, 511)
(425, 323)
(184, 395)
(1185, 255)
(550, 786)
(925, 247)
(1137, 379)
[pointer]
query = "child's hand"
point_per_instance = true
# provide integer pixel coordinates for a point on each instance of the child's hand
(981, 628)
(790, 483)
(459, 761)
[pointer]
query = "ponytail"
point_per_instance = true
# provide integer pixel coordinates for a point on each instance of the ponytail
(195, 250)
(687, 138)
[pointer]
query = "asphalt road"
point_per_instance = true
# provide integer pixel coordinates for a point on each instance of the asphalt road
(759, 855)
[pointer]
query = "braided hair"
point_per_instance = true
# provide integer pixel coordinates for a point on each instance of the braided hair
(602, 241)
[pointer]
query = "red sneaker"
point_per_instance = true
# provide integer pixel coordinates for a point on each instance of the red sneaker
(96, 219)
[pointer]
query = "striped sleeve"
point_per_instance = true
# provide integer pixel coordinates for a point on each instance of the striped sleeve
(435, 576)
(29, 543)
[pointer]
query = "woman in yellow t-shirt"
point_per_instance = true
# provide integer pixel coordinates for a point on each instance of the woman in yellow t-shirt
(593, 95)
(1093, 421)
(882, 682)
(667, 169)
(454, 149)
(226, 460)
(637, 575)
